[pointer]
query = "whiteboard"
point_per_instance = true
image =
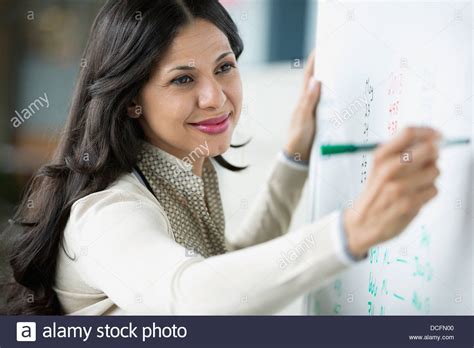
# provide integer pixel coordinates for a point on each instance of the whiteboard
(385, 65)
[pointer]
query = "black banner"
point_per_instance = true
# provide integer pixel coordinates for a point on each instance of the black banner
(237, 331)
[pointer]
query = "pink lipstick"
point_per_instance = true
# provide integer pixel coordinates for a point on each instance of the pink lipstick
(215, 125)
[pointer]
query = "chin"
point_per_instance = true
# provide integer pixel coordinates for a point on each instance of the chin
(215, 151)
(218, 148)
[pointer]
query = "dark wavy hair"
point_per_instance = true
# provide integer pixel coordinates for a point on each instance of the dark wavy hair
(127, 40)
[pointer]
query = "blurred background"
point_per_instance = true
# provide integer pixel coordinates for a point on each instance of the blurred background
(41, 45)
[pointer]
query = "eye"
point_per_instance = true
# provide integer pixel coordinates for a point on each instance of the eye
(185, 80)
(182, 80)
(227, 67)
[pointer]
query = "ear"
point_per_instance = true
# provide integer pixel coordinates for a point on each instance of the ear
(134, 110)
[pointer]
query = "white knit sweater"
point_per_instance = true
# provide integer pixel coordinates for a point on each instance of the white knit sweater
(126, 259)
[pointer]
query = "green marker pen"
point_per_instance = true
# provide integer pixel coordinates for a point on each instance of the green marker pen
(336, 149)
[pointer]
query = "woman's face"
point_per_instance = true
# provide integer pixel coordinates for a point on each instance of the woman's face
(196, 81)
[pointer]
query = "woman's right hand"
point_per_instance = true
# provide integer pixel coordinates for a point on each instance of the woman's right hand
(396, 189)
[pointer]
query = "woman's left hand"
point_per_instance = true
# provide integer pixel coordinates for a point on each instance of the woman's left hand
(303, 121)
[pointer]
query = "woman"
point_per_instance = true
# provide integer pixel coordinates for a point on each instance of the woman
(127, 219)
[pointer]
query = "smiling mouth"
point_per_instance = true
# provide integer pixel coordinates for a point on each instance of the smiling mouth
(214, 125)
(213, 121)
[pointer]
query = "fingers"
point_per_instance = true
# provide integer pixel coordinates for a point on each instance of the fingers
(424, 196)
(311, 88)
(405, 139)
(410, 160)
(419, 180)
(395, 167)
(411, 205)
(407, 206)
(421, 154)
(409, 193)
(309, 70)
(398, 189)
(311, 97)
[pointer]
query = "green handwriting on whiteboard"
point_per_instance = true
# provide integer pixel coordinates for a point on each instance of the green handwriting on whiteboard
(372, 285)
(423, 270)
(421, 305)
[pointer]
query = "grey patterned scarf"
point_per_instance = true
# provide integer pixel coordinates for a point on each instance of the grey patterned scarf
(192, 203)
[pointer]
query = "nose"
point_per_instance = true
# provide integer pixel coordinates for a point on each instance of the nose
(211, 95)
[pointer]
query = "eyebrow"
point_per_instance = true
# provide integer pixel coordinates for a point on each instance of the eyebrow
(187, 67)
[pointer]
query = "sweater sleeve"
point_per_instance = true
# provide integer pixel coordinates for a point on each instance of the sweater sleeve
(127, 252)
(270, 214)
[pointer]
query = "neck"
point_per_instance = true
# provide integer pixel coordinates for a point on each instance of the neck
(197, 166)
